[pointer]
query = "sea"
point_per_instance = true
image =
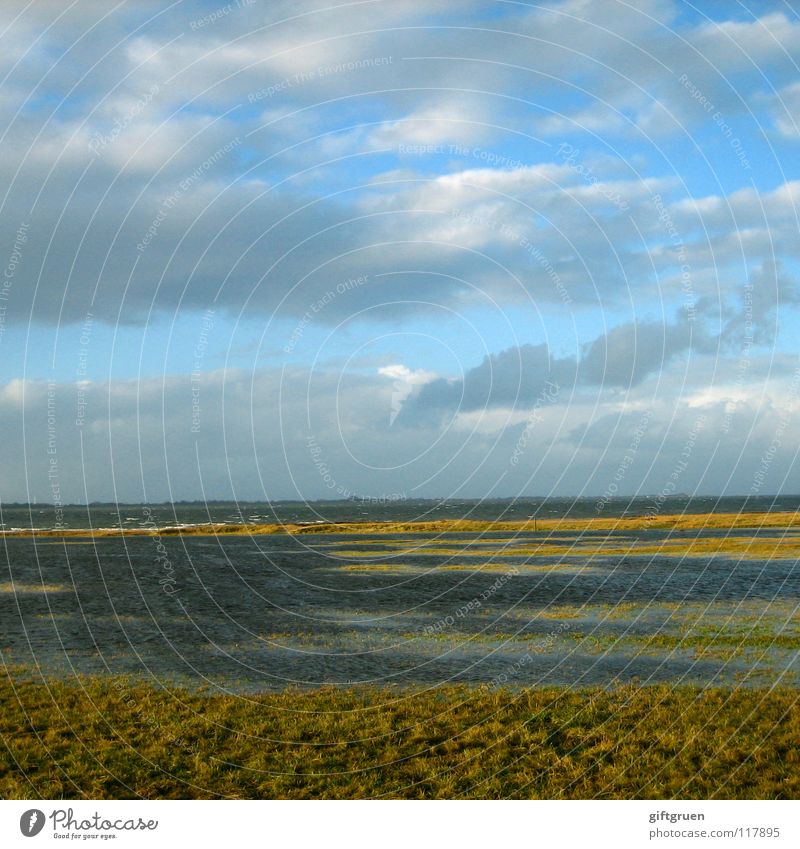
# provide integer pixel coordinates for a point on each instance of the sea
(187, 513)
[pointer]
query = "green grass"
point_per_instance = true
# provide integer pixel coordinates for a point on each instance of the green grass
(740, 548)
(115, 739)
(704, 643)
(744, 613)
(707, 643)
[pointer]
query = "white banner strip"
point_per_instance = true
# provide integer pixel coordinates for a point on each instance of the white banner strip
(404, 825)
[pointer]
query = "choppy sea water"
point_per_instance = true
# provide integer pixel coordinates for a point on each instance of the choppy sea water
(353, 510)
(251, 613)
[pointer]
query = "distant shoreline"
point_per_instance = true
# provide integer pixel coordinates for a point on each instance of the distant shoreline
(366, 500)
(686, 521)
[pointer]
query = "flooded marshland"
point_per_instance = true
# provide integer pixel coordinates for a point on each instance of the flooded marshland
(252, 613)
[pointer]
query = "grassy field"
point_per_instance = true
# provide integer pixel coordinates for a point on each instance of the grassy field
(677, 521)
(115, 739)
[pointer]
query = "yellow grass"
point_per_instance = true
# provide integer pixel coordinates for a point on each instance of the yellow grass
(697, 521)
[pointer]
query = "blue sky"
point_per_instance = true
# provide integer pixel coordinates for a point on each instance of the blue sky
(601, 195)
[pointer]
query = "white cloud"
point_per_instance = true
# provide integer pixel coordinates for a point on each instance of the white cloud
(404, 381)
(275, 432)
(786, 109)
(455, 120)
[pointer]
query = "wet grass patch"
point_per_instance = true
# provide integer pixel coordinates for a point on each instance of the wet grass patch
(18, 588)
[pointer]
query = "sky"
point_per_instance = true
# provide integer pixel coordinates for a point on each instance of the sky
(299, 250)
